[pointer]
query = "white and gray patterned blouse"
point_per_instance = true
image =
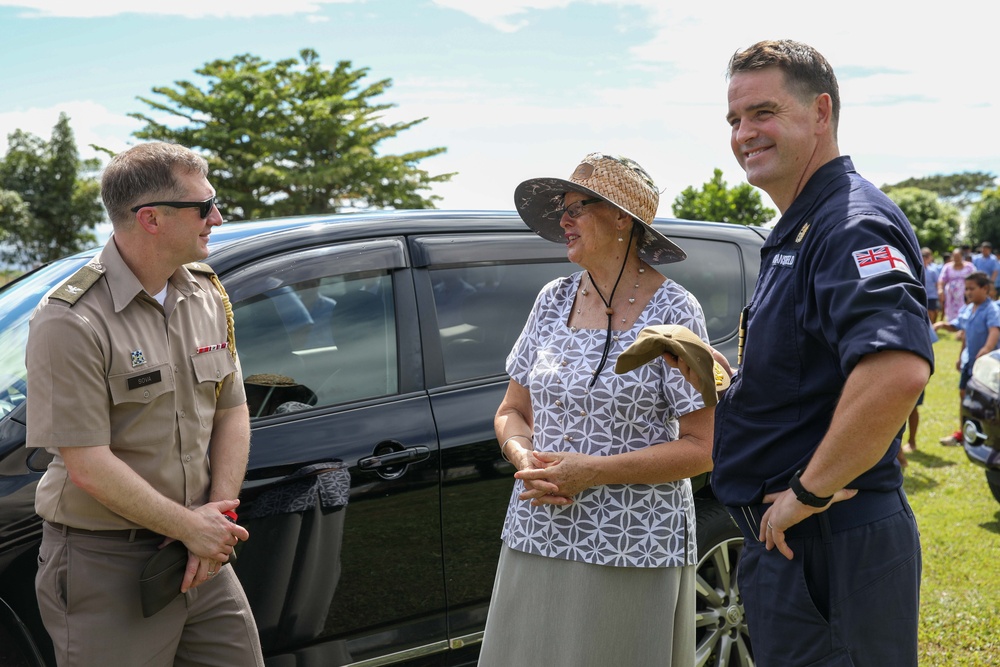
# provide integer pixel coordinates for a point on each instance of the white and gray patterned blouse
(626, 525)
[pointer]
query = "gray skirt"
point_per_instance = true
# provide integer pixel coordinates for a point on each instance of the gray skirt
(553, 613)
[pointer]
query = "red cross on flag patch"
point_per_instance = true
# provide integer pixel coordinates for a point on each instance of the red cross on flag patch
(882, 258)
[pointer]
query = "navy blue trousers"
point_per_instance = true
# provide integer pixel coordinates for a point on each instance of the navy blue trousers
(849, 598)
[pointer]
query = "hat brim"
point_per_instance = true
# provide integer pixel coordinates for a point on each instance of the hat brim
(539, 202)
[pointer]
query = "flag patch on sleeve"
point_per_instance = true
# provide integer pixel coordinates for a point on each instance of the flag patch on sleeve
(882, 258)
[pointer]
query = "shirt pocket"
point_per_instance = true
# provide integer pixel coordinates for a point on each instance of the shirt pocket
(771, 375)
(141, 386)
(212, 366)
(142, 408)
(209, 369)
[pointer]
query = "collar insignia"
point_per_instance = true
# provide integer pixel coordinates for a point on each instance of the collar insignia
(802, 233)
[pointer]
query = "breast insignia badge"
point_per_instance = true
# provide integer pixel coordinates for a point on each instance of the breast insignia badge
(138, 358)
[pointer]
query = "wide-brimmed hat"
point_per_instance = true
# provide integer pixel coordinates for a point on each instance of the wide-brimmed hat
(617, 180)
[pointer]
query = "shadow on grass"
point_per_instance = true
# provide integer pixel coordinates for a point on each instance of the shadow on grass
(992, 526)
(928, 460)
(915, 482)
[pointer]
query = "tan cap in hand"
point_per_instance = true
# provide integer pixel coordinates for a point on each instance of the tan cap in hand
(681, 342)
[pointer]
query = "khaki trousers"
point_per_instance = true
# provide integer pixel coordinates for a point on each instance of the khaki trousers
(88, 596)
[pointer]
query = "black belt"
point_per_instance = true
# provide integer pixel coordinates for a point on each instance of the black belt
(865, 507)
(130, 534)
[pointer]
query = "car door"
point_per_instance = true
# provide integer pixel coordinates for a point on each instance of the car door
(341, 499)
(475, 292)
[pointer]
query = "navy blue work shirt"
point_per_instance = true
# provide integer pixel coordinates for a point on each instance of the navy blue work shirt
(841, 276)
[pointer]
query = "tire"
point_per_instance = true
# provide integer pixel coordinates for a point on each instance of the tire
(994, 487)
(721, 635)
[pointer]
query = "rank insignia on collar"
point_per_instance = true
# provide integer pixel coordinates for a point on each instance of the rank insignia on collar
(138, 358)
(802, 233)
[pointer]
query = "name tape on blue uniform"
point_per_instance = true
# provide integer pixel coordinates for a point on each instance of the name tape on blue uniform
(880, 259)
(785, 259)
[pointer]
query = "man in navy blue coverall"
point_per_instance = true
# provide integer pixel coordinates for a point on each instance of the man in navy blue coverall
(837, 350)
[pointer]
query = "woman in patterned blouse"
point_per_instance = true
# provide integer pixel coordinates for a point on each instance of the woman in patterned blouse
(598, 561)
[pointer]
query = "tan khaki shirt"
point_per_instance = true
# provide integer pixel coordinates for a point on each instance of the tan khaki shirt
(107, 365)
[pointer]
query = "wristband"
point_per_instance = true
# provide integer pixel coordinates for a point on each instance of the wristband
(231, 515)
(804, 496)
(503, 453)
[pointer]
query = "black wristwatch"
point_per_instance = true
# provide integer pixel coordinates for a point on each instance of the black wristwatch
(805, 497)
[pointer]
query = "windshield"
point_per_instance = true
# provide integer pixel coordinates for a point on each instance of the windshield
(17, 302)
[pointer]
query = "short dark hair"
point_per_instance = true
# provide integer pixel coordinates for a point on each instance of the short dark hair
(980, 278)
(146, 170)
(807, 72)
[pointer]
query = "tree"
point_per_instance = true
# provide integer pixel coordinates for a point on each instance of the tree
(959, 189)
(51, 201)
(292, 137)
(984, 220)
(717, 202)
(935, 222)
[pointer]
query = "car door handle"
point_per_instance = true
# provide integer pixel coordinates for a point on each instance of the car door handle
(395, 458)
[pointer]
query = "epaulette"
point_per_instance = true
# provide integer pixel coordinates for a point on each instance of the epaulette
(200, 267)
(78, 283)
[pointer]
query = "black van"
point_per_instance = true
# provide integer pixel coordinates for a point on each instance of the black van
(375, 492)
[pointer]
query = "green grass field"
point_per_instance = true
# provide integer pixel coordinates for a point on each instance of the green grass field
(960, 533)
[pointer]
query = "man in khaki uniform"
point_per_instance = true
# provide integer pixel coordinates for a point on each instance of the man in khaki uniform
(137, 392)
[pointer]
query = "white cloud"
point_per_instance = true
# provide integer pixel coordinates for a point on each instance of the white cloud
(91, 122)
(916, 95)
(498, 13)
(917, 100)
(185, 8)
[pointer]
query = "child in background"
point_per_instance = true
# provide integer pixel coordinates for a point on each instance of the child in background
(979, 321)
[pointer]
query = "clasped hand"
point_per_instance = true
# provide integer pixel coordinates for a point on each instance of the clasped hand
(553, 478)
(212, 543)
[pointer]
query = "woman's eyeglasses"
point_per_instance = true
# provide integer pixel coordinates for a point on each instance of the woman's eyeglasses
(575, 210)
(204, 207)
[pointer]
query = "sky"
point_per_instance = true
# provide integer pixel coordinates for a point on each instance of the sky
(517, 89)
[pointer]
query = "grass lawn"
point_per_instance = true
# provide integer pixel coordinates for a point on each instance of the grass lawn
(960, 533)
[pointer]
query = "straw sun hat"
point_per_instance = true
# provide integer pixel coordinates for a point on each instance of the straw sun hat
(617, 180)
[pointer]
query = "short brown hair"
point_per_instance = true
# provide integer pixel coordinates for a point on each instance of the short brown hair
(979, 277)
(146, 171)
(807, 72)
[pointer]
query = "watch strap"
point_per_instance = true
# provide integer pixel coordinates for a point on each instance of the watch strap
(804, 496)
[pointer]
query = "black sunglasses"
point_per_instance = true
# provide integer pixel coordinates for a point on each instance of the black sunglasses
(204, 207)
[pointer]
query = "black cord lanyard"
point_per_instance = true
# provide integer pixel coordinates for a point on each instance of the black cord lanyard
(609, 311)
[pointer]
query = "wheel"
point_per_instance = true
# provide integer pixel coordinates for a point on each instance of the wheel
(994, 487)
(722, 638)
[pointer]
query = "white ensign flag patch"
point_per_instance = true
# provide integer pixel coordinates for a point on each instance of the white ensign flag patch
(873, 261)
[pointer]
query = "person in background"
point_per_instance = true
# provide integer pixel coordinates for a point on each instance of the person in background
(806, 436)
(913, 421)
(988, 263)
(932, 271)
(951, 284)
(598, 559)
(137, 393)
(979, 321)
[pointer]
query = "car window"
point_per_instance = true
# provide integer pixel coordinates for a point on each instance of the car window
(713, 272)
(318, 342)
(17, 302)
(317, 328)
(481, 311)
